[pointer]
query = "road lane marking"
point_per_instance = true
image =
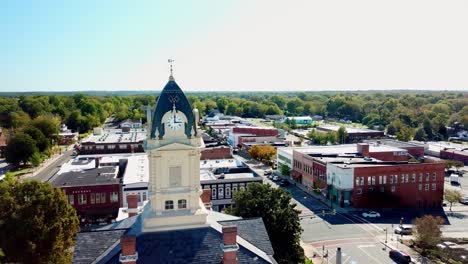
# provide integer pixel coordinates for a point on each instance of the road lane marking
(376, 260)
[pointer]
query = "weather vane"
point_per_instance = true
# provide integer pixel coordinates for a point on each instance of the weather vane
(171, 63)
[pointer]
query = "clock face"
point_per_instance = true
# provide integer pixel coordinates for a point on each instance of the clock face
(175, 122)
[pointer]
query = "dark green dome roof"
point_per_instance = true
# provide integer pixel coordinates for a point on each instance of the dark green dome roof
(172, 94)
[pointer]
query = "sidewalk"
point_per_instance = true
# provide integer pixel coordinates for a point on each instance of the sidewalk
(45, 164)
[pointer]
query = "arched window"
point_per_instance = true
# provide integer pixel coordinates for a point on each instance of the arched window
(169, 205)
(182, 204)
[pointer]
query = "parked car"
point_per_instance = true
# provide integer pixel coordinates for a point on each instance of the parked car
(404, 230)
(268, 172)
(276, 178)
(284, 183)
(464, 200)
(399, 256)
(371, 214)
(448, 244)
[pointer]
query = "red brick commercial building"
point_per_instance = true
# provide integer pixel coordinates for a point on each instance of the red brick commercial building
(392, 185)
(354, 134)
(237, 133)
(114, 142)
(369, 176)
(221, 152)
(96, 193)
(454, 154)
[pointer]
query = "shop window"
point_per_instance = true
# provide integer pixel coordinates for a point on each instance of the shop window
(82, 198)
(114, 197)
(71, 199)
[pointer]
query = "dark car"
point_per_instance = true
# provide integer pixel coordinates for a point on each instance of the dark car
(284, 183)
(399, 256)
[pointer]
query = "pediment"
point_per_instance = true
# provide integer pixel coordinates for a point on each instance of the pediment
(176, 146)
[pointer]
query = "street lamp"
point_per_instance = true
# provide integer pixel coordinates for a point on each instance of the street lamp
(385, 235)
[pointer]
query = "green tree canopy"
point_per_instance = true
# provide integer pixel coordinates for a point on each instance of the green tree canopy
(20, 149)
(37, 223)
(281, 218)
(452, 196)
(427, 231)
(42, 143)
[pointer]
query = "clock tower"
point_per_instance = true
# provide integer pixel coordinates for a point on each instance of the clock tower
(173, 146)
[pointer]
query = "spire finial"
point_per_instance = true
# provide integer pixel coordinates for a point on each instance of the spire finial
(171, 63)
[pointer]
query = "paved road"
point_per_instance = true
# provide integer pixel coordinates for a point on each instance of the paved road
(48, 172)
(360, 241)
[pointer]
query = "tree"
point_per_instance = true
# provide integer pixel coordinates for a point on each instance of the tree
(427, 231)
(48, 124)
(453, 163)
(42, 143)
(452, 196)
(391, 129)
(262, 152)
(420, 134)
(38, 224)
(19, 119)
(405, 133)
(36, 159)
(280, 216)
(20, 148)
(342, 135)
(285, 170)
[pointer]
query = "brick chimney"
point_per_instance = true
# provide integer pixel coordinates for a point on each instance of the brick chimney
(132, 203)
(229, 245)
(363, 148)
(129, 254)
(206, 198)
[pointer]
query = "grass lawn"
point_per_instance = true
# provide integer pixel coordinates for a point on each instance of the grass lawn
(21, 172)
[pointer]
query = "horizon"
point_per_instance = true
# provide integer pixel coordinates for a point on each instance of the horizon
(234, 46)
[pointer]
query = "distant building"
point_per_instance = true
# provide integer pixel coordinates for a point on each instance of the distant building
(95, 193)
(224, 178)
(114, 141)
(241, 134)
(369, 175)
(300, 120)
(131, 124)
(87, 177)
(354, 134)
(455, 154)
(218, 152)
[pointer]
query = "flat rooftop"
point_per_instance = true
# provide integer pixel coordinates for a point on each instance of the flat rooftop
(344, 149)
(117, 136)
(136, 170)
(220, 163)
(209, 176)
(349, 129)
(94, 176)
(395, 143)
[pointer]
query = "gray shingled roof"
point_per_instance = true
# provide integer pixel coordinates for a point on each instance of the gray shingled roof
(91, 245)
(200, 245)
(253, 230)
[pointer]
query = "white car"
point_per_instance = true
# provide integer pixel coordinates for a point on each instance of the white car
(275, 178)
(371, 214)
(448, 244)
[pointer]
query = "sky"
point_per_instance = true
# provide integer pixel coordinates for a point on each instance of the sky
(234, 45)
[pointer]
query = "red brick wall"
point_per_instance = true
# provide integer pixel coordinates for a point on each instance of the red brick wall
(216, 153)
(96, 209)
(406, 194)
(388, 156)
(255, 131)
(312, 171)
(455, 155)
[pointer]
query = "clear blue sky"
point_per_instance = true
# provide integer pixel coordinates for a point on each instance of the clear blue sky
(233, 44)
